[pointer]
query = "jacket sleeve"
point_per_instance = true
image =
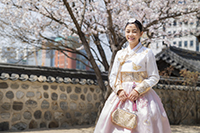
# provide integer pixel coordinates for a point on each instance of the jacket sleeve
(112, 77)
(153, 75)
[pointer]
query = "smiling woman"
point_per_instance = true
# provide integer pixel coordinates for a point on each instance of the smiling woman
(132, 77)
(133, 32)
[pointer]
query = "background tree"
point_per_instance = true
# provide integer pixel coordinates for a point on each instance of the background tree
(101, 21)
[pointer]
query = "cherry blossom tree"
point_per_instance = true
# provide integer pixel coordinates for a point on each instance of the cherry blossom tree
(36, 21)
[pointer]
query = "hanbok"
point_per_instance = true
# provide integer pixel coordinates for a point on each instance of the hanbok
(140, 67)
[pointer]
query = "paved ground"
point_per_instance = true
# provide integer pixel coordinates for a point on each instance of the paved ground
(89, 129)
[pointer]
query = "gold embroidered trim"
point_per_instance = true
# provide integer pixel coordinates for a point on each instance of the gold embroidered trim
(136, 67)
(142, 87)
(133, 76)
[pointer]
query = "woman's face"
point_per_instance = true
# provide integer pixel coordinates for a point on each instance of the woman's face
(132, 34)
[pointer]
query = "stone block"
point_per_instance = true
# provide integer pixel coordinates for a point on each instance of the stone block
(53, 125)
(89, 106)
(47, 115)
(62, 88)
(30, 94)
(68, 116)
(24, 86)
(9, 95)
(73, 106)
(31, 103)
(37, 114)
(45, 104)
(100, 97)
(78, 90)
(85, 90)
(54, 87)
(43, 125)
(77, 114)
(65, 125)
(82, 97)
(97, 104)
(6, 106)
(4, 126)
(3, 85)
(63, 105)
(14, 86)
(54, 96)
(45, 87)
(92, 89)
(36, 86)
(74, 97)
(89, 97)
(27, 115)
(46, 95)
(17, 106)
(19, 126)
(86, 117)
(33, 124)
(63, 97)
(5, 115)
(20, 95)
(69, 89)
(93, 116)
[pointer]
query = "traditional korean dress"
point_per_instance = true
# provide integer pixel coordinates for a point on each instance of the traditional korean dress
(140, 67)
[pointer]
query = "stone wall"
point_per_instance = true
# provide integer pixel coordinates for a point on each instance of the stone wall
(29, 105)
(180, 104)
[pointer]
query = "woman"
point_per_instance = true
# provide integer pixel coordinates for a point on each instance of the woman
(138, 66)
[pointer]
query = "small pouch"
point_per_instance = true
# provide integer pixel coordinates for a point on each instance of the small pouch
(124, 118)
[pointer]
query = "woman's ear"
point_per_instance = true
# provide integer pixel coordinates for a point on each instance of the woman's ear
(141, 33)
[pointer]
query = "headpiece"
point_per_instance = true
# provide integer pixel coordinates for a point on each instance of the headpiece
(132, 20)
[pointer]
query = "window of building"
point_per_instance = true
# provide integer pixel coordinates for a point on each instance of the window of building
(191, 43)
(180, 44)
(185, 43)
(197, 23)
(174, 23)
(191, 23)
(174, 43)
(180, 23)
(197, 47)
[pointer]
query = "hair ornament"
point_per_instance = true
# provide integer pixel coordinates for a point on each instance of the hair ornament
(132, 20)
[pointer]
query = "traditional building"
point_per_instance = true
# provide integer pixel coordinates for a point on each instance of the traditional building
(178, 58)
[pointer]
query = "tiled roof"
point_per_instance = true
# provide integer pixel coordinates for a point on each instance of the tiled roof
(48, 74)
(59, 75)
(180, 58)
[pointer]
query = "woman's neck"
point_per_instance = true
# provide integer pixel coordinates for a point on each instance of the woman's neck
(133, 45)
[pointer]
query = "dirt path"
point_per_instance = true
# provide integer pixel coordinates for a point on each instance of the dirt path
(89, 129)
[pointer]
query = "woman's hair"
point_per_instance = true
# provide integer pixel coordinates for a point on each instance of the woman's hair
(136, 22)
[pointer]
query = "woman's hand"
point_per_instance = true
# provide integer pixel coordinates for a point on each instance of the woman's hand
(122, 95)
(133, 96)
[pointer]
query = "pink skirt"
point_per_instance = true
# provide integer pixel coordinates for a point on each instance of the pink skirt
(151, 116)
